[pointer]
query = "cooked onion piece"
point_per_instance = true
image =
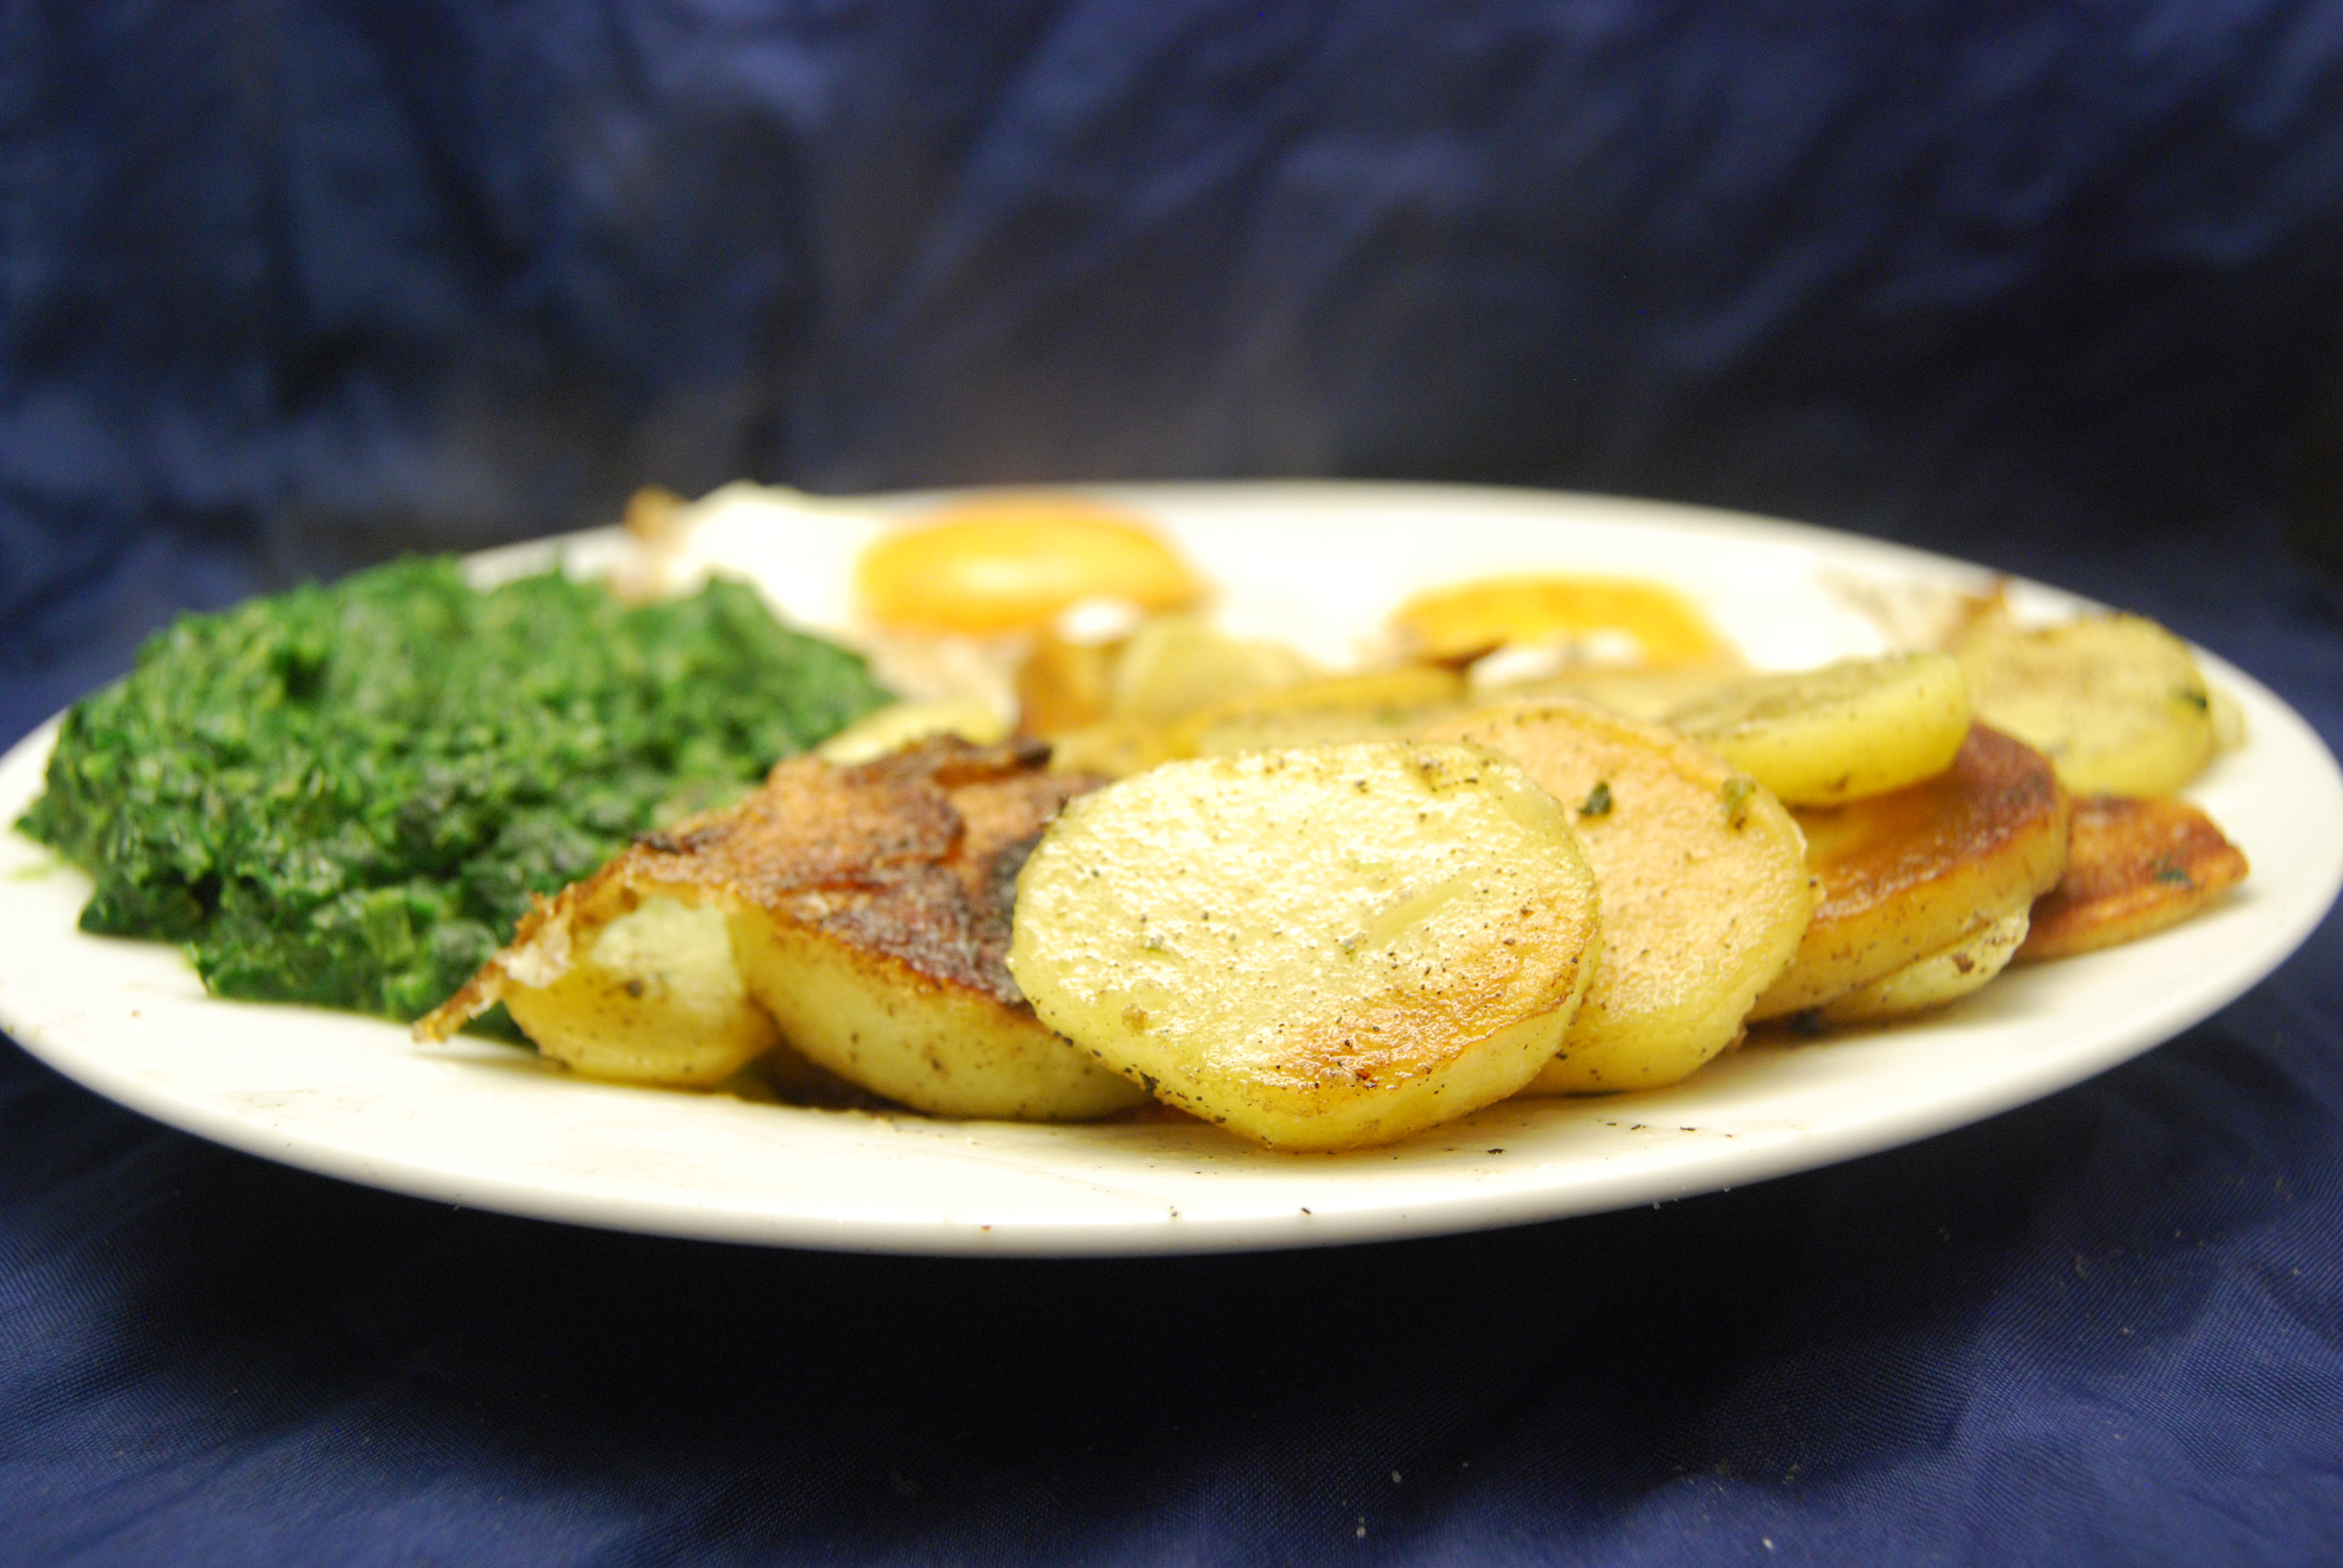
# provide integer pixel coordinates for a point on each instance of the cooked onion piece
(1650, 623)
(866, 909)
(2115, 701)
(1318, 949)
(1704, 888)
(2134, 868)
(1818, 736)
(1911, 873)
(1062, 685)
(1014, 563)
(1934, 981)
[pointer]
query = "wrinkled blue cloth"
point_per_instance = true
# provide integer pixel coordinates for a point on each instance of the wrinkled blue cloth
(287, 288)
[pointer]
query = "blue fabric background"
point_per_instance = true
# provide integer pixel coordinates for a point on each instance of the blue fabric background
(289, 285)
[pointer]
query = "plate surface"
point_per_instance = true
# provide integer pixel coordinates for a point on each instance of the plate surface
(483, 1125)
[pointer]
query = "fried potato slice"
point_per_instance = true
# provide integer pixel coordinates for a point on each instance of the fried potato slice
(1174, 669)
(902, 724)
(2116, 701)
(2134, 868)
(867, 915)
(1936, 981)
(1176, 664)
(1462, 623)
(1911, 873)
(1372, 704)
(1651, 694)
(1817, 737)
(1014, 563)
(1320, 948)
(649, 995)
(1113, 747)
(1703, 902)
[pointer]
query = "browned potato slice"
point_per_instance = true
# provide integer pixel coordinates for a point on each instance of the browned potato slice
(950, 1045)
(2134, 867)
(1703, 898)
(1319, 948)
(866, 909)
(1936, 981)
(1908, 874)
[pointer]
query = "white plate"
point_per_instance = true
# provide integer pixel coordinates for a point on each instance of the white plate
(485, 1126)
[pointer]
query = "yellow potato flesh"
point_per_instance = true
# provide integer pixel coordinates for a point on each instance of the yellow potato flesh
(1846, 731)
(1318, 949)
(2116, 701)
(1933, 980)
(1650, 694)
(1159, 687)
(649, 995)
(902, 724)
(1373, 705)
(1703, 904)
(1016, 563)
(1175, 665)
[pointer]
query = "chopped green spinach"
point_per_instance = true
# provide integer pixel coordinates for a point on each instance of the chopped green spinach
(345, 795)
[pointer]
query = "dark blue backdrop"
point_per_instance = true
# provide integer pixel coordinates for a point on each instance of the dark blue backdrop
(288, 284)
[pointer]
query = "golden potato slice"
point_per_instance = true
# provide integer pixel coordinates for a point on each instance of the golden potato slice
(1320, 948)
(1318, 711)
(1704, 900)
(2115, 701)
(649, 995)
(1175, 665)
(1651, 694)
(1113, 747)
(1936, 981)
(1374, 704)
(1118, 707)
(1817, 737)
(1457, 625)
(1015, 563)
(866, 913)
(937, 1043)
(902, 724)
(2134, 868)
(1911, 873)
